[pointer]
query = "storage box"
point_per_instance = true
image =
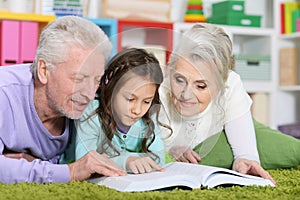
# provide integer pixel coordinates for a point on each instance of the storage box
(253, 67)
(237, 20)
(295, 16)
(291, 129)
(223, 8)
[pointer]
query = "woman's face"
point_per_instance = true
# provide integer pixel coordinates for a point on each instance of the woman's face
(191, 87)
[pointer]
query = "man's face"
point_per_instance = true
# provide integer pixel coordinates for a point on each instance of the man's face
(73, 84)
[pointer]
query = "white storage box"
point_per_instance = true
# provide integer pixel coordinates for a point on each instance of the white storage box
(253, 67)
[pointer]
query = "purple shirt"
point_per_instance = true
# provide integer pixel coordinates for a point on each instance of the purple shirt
(21, 130)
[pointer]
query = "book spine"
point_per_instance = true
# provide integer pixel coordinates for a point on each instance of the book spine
(289, 7)
(282, 20)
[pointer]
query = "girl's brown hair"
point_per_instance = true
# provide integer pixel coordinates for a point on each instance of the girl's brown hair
(140, 63)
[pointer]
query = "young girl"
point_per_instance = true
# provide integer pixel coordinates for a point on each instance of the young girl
(122, 121)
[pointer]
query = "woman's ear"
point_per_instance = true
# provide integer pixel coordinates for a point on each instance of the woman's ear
(42, 71)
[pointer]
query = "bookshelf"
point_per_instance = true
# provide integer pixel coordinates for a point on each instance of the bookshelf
(288, 97)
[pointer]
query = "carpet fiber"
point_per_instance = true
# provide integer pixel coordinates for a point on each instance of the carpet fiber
(288, 181)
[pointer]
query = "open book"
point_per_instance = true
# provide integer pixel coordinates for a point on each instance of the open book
(182, 175)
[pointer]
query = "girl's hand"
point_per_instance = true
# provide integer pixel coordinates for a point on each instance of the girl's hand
(251, 167)
(140, 165)
(184, 154)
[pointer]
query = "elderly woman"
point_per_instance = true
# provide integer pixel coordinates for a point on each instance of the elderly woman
(202, 96)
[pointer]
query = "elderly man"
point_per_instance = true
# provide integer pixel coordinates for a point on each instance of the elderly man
(38, 102)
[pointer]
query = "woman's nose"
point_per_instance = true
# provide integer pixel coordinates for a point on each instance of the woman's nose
(187, 93)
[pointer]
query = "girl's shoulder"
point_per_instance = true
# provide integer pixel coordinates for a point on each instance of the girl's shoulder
(90, 108)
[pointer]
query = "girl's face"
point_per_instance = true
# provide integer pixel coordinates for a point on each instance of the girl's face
(133, 100)
(191, 87)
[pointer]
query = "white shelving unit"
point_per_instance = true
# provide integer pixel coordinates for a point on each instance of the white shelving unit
(283, 102)
(287, 97)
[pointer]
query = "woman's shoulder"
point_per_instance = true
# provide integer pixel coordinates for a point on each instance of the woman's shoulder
(233, 77)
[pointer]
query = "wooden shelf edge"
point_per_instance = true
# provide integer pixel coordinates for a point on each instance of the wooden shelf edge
(26, 17)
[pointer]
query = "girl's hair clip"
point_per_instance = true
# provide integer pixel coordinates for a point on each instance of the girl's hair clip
(106, 80)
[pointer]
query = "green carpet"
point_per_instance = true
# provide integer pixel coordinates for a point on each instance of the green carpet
(288, 188)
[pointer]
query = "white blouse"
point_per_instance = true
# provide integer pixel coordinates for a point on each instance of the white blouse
(230, 112)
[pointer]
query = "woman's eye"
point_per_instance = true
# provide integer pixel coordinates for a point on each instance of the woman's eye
(179, 80)
(201, 86)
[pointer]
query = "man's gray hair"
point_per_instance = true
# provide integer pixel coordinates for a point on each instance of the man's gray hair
(68, 32)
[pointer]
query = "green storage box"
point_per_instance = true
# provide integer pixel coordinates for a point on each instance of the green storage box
(253, 67)
(295, 16)
(237, 20)
(223, 8)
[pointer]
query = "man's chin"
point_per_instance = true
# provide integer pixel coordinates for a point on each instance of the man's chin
(74, 115)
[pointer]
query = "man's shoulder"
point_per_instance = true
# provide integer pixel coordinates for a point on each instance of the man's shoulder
(15, 74)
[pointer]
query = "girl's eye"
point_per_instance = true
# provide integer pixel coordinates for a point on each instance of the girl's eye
(130, 99)
(147, 102)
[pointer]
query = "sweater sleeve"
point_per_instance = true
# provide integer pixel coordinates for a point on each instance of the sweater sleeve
(241, 136)
(20, 170)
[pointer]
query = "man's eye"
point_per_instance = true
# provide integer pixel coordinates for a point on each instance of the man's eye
(78, 80)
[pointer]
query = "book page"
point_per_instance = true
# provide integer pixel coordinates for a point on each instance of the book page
(174, 175)
(229, 179)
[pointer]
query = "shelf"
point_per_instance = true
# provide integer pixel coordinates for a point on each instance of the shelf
(256, 86)
(291, 36)
(152, 33)
(290, 88)
(26, 17)
(240, 30)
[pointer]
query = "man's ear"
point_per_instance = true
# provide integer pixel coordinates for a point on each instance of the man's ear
(42, 71)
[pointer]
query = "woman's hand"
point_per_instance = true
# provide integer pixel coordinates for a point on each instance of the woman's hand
(251, 167)
(184, 154)
(140, 165)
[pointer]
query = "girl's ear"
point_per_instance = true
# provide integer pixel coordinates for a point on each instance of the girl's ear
(42, 71)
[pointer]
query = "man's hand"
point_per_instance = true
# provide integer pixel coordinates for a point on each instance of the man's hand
(140, 165)
(91, 163)
(251, 167)
(184, 154)
(26, 156)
